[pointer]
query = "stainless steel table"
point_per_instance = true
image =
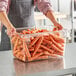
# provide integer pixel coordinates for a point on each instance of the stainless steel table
(52, 67)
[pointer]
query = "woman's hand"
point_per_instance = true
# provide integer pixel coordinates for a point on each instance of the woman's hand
(58, 26)
(50, 15)
(11, 31)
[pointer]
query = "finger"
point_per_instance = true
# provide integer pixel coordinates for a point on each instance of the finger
(55, 29)
(60, 28)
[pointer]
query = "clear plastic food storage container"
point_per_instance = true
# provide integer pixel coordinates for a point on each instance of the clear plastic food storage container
(38, 44)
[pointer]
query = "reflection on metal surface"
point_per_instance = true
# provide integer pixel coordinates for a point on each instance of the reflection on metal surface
(38, 66)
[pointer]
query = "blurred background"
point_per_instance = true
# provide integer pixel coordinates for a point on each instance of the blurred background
(65, 13)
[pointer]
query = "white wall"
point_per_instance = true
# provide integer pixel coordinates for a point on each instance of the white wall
(54, 4)
(64, 5)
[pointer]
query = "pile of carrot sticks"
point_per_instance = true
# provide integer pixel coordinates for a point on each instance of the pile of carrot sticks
(41, 46)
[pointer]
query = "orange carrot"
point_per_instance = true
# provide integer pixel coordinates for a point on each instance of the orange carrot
(44, 43)
(57, 33)
(47, 49)
(55, 43)
(42, 57)
(62, 45)
(48, 46)
(53, 55)
(47, 41)
(18, 54)
(46, 53)
(49, 54)
(20, 42)
(47, 37)
(40, 50)
(20, 57)
(57, 39)
(31, 38)
(38, 44)
(34, 31)
(18, 48)
(24, 31)
(21, 53)
(16, 51)
(55, 48)
(25, 48)
(33, 41)
(59, 53)
(23, 56)
(31, 49)
(35, 57)
(16, 43)
(13, 39)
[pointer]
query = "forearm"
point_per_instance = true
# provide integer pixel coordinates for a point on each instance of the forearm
(4, 19)
(51, 17)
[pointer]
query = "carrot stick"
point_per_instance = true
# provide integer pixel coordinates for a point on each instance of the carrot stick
(49, 42)
(34, 41)
(55, 43)
(20, 42)
(40, 50)
(16, 43)
(42, 57)
(57, 39)
(46, 53)
(34, 31)
(49, 54)
(62, 45)
(35, 57)
(31, 49)
(16, 51)
(47, 49)
(44, 43)
(31, 38)
(25, 48)
(53, 55)
(46, 37)
(20, 57)
(13, 39)
(57, 33)
(18, 54)
(20, 47)
(59, 53)
(38, 45)
(24, 58)
(48, 46)
(21, 53)
(55, 48)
